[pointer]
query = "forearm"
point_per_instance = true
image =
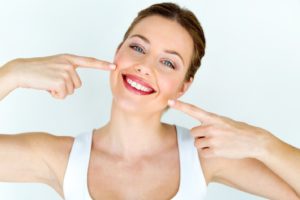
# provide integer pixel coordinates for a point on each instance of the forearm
(252, 176)
(284, 160)
(7, 82)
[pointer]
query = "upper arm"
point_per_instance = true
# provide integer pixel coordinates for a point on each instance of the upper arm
(249, 175)
(33, 157)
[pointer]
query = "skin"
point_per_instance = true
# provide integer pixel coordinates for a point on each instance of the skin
(55, 74)
(221, 137)
(147, 168)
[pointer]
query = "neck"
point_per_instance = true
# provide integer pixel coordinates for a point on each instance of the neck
(132, 135)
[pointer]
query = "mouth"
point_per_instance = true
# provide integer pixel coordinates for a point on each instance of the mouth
(137, 85)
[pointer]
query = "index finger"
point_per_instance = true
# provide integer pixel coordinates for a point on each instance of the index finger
(195, 112)
(89, 62)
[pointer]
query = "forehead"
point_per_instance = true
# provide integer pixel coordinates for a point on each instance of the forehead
(164, 33)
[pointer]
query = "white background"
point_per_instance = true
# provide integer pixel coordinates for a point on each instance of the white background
(251, 71)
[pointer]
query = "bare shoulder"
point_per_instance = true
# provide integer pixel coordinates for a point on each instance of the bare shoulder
(34, 157)
(43, 141)
(55, 151)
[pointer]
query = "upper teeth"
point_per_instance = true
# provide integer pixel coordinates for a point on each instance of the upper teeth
(137, 85)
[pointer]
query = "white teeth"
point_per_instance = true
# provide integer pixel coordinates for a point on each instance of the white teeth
(137, 85)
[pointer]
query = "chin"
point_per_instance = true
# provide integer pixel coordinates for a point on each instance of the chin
(138, 107)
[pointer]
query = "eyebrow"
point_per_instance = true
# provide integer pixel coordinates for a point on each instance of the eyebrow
(142, 37)
(167, 51)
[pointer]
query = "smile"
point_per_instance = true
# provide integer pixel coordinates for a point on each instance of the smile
(137, 85)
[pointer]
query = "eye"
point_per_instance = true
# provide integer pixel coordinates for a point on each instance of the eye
(168, 64)
(137, 48)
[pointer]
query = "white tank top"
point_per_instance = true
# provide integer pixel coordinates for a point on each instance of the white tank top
(192, 184)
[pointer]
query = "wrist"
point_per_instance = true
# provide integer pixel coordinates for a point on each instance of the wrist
(269, 145)
(8, 76)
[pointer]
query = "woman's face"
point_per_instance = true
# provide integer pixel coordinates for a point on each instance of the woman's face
(151, 65)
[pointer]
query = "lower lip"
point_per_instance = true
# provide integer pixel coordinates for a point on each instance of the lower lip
(134, 90)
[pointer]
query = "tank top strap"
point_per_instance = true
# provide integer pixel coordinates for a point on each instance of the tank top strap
(192, 182)
(75, 181)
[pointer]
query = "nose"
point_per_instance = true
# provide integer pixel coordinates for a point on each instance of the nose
(143, 70)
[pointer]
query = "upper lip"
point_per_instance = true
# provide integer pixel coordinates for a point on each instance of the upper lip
(139, 80)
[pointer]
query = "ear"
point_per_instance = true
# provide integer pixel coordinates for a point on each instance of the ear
(184, 87)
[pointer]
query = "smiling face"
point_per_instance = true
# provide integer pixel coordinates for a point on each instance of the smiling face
(151, 65)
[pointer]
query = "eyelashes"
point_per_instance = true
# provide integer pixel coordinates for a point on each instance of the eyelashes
(168, 64)
(137, 48)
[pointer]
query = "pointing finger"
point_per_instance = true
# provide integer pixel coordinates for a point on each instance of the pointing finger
(195, 112)
(89, 62)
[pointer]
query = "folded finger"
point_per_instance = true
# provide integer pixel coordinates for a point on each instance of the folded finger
(76, 79)
(202, 142)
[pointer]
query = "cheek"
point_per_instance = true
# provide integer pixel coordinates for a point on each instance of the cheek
(124, 59)
(119, 60)
(169, 88)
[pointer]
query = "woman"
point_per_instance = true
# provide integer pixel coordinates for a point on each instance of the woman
(135, 155)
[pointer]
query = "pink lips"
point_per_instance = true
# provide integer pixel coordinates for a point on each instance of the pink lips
(139, 81)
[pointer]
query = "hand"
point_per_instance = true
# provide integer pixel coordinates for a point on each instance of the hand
(55, 74)
(219, 136)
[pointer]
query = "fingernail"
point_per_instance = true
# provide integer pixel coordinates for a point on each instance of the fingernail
(171, 102)
(112, 66)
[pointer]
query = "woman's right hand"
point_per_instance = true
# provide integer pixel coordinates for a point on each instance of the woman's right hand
(55, 74)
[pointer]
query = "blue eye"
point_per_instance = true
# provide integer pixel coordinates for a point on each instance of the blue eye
(168, 64)
(137, 48)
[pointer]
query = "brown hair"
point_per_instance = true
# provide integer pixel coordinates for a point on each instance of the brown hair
(187, 20)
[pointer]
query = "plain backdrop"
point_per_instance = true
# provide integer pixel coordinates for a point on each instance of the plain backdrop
(251, 70)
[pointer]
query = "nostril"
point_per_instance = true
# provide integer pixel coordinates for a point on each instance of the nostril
(141, 69)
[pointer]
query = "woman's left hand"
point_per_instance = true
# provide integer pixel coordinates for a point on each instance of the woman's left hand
(219, 136)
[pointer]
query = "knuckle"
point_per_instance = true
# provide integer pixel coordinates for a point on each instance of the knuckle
(61, 57)
(68, 68)
(60, 84)
(66, 76)
(194, 132)
(59, 96)
(212, 142)
(210, 129)
(65, 58)
(214, 130)
(70, 88)
(65, 55)
(197, 144)
(212, 115)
